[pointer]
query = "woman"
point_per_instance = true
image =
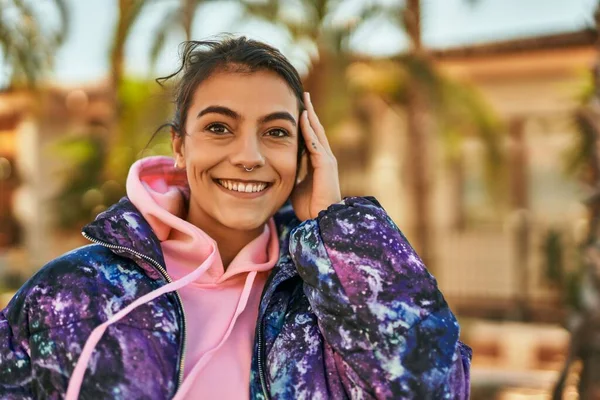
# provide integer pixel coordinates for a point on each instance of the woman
(206, 282)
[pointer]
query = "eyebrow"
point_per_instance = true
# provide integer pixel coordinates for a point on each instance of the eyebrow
(228, 112)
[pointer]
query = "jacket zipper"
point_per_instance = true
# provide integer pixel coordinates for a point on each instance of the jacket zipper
(169, 280)
(261, 371)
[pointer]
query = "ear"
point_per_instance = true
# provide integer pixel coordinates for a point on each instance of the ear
(177, 143)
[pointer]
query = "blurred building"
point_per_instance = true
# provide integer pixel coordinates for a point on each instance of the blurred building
(535, 85)
(30, 123)
(494, 267)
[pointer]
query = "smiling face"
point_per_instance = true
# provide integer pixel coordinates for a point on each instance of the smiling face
(238, 121)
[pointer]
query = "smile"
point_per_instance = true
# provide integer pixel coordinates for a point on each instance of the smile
(242, 187)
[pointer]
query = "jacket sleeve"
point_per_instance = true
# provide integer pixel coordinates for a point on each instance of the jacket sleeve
(15, 364)
(391, 331)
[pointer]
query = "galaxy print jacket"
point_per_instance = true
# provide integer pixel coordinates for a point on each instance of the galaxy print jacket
(349, 311)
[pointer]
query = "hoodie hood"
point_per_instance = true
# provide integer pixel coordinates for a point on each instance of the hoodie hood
(158, 200)
(161, 193)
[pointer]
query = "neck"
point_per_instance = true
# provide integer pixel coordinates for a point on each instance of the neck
(229, 241)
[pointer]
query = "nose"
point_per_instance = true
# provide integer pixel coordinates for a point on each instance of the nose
(247, 152)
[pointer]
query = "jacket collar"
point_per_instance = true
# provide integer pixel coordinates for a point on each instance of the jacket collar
(124, 230)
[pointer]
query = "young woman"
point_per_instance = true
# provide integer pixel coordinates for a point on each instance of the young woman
(224, 274)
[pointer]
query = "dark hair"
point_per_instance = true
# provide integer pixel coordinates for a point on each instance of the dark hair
(201, 59)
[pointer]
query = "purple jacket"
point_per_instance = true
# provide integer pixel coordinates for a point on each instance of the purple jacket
(349, 311)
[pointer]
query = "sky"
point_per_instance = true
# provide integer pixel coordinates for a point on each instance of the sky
(446, 23)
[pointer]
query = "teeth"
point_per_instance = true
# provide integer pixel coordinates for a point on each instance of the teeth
(241, 187)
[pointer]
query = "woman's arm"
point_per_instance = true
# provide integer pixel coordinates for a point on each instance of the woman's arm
(378, 307)
(15, 364)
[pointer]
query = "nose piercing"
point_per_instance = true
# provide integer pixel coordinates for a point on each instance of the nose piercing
(247, 169)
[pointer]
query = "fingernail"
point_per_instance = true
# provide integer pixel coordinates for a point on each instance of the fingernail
(308, 96)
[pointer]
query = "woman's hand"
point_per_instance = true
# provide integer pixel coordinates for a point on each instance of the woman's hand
(321, 186)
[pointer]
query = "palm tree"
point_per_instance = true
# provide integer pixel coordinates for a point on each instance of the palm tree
(434, 106)
(459, 113)
(585, 321)
(181, 17)
(26, 45)
(310, 24)
(121, 138)
(129, 11)
(419, 127)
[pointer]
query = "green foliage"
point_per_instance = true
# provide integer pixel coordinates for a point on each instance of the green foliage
(179, 18)
(572, 293)
(386, 78)
(579, 156)
(459, 109)
(95, 169)
(27, 44)
(553, 254)
(462, 112)
(582, 150)
(310, 20)
(142, 111)
(83, 157)
(314, 25)
(556, 271)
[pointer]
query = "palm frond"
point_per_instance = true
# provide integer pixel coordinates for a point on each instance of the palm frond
(65, 22)
(385, 78)
(27, 44)
(267, 10)
(464, 111)
(169, 22)
(582, 151)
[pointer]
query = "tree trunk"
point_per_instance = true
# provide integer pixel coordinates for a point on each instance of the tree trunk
(519, 202)
(585, 334)
(316, 81)
(412, 22)
(129, 10)
(189, 8)
(519, 195)
(419, 123)
(419, 126)
(117, 55)
(457, 171)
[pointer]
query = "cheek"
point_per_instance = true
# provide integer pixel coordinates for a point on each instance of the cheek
(284, 162)
(199, 159)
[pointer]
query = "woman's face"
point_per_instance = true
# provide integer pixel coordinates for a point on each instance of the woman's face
(238, 121)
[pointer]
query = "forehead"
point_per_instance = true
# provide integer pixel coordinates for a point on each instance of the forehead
(255, 93)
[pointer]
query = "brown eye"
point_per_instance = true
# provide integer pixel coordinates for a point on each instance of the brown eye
(278, 133)
(218, 129)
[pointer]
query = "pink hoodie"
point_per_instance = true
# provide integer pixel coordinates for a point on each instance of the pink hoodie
(220, 307)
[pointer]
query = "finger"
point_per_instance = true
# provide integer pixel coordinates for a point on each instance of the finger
(313, 144)
(315, 123)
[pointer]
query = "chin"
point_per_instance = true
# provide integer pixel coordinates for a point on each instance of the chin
(245, 223)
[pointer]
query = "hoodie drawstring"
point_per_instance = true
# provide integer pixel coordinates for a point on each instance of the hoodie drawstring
(79, 371)
(241, 306)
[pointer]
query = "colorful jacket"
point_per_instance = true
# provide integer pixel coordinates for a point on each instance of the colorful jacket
(349, 311)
